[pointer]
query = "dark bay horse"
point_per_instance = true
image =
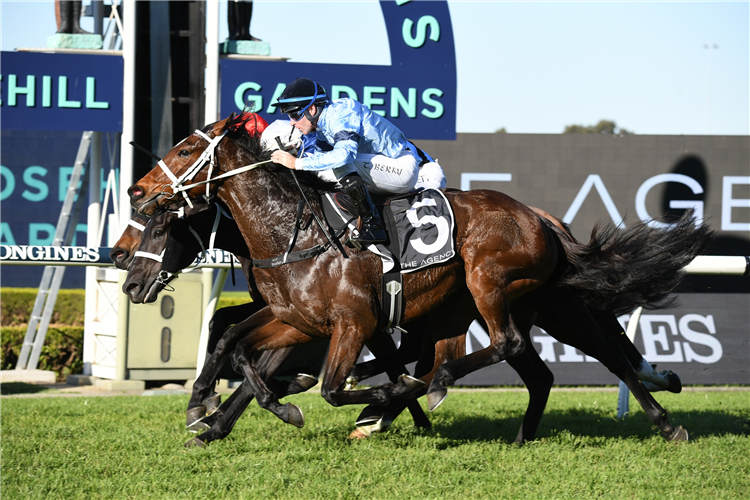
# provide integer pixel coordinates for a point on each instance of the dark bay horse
(504, 252)
(183, 245)
(166, 261)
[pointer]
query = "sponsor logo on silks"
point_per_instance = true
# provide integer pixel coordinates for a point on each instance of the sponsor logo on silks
(22, 253)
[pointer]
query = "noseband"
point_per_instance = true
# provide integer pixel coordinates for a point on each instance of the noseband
(208, 156)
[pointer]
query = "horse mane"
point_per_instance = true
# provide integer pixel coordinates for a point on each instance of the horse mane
(252, 144)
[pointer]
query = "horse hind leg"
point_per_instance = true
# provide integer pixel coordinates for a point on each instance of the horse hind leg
(654, 381)
(533, 372)
(506, 341)
(566, 318)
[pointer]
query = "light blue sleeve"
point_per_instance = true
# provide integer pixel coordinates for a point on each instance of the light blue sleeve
(342, 125)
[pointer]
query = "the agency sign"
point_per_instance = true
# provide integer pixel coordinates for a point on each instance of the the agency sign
(417, 92)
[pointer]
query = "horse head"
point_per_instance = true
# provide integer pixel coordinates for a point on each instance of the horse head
(167, 185)
(167, 247)
(124, 249)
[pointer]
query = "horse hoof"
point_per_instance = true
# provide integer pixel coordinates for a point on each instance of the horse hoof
(679, 434)
(303, 382)
(296, 418)
(675, 384)
(412, 383)
(436, 398)
(363, 431)
(212, 404)
(195, 415)
(359, 433)
(650, 387)
(195, 443)
(351, 383)
(198, 426)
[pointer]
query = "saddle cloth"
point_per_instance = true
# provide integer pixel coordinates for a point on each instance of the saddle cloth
(419, 225)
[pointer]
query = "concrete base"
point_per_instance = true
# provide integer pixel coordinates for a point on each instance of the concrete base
(119, 385)
(28, 376)
(70, 41)
(246, 48)
(80, 380)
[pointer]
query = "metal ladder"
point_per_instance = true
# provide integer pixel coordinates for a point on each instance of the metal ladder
(53, 275)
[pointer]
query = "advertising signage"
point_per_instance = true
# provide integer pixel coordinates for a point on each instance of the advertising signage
(65, 92)
(417, 92)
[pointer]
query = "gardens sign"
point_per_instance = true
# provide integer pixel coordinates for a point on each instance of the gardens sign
(417, 92)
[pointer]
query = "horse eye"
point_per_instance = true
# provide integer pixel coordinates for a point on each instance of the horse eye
(184, 153)
(158, 232)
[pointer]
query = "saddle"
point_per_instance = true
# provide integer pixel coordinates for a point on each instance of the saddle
(420, 228)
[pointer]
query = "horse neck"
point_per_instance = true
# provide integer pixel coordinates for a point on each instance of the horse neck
(229, 238)
(264, 207)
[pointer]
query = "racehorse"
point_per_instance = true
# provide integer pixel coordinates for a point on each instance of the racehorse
(504, 251)
(186, 238)
(168, 261)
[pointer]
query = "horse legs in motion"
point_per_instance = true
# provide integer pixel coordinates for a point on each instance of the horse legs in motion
(569, 316)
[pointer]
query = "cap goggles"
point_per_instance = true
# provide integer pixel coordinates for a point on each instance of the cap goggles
(296, 113)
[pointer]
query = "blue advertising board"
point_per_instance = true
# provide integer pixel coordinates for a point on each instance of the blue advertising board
(417, 92)
(61, 92)
(47, 100)
(34, 177)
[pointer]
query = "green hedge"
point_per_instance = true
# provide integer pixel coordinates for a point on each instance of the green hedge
(17, 304)
(62, 352)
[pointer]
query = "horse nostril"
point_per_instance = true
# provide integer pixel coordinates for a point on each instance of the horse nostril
(118, 254)
(131, 288)
(135, 192)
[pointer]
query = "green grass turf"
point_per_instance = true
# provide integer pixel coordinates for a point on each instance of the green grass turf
(132, 447)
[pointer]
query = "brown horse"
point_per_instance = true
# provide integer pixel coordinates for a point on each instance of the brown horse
(504, 251)
(182, 245)
(168, 260)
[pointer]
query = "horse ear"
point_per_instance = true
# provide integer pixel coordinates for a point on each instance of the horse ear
(223, 124)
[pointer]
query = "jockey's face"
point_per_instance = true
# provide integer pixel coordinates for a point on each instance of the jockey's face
(303, 124)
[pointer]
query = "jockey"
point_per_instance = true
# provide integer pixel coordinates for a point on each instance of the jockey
(355, 147)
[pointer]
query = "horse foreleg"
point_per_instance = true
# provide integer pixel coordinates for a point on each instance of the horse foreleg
(378, 418)
(220, 429)
(346, 343)
(408, 352)
(204, 400)
(272, 335)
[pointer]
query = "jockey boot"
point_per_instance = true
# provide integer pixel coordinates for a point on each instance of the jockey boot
(372, 230)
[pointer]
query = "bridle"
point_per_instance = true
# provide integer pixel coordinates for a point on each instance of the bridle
(208, 156)
(165, 277)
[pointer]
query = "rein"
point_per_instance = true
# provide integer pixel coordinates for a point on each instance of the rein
(209, 156)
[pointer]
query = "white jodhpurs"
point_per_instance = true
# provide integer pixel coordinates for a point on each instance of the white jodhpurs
(383, 175)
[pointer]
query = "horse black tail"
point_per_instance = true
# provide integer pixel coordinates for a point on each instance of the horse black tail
(621, 269)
